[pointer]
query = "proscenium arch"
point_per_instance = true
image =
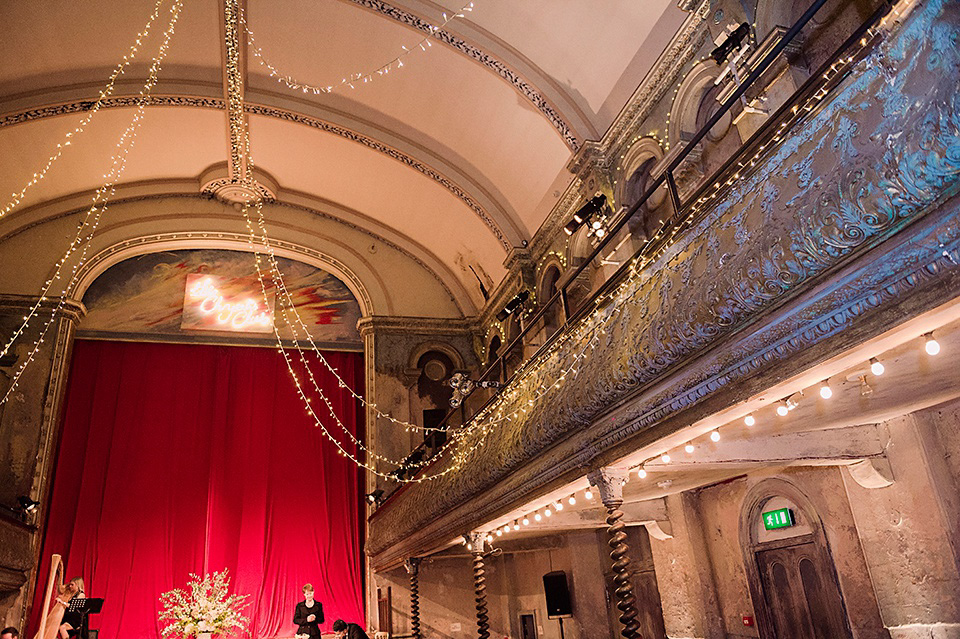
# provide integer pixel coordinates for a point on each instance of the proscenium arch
(187, 190)
(158, 243)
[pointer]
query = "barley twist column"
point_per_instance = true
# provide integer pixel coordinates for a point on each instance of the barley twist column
(476, 541)
(413, 569)
(610, 481)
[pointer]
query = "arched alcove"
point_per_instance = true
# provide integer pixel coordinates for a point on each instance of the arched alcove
(790, 569)
(550, 273)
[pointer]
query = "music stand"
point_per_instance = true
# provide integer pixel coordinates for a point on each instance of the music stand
(84, 606)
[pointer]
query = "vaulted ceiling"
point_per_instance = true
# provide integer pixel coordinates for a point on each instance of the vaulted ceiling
(461, 153)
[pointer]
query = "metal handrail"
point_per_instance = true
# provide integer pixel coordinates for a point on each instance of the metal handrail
(666, 176)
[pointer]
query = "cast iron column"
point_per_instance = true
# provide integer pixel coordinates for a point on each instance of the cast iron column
(413, 569)
(476, 542)
(610, 481)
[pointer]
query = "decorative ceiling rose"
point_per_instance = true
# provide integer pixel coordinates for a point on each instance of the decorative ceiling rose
(215, 181)
(235, 193)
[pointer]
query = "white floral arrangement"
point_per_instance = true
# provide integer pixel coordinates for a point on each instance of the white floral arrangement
(207, 607)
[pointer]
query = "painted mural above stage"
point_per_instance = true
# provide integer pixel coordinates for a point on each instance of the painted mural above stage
(211, 295)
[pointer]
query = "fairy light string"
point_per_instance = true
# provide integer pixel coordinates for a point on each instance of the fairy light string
(354, 79)
(108, 90)
(93, 215)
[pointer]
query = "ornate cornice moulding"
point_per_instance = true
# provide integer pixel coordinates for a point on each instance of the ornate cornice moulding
(380, 324)
(486, 59)
(81, 106)
(664, 75)
(845, 218)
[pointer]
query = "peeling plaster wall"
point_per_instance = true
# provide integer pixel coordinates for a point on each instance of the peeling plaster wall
(905, 535)
(703, 583)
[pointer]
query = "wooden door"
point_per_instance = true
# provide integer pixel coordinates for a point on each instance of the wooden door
(801, 593)
(385, 610)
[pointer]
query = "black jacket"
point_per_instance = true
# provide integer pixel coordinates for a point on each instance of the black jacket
(355, 632)
(311, 628)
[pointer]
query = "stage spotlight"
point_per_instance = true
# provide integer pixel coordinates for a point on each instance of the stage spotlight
(593, 205)
(729, 44)
(28, 505)
(375, 497)
(513, 305)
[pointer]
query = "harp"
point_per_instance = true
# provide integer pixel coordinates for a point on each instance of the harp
(55, 580)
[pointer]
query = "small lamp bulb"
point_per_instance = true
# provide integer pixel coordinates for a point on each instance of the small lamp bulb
(715, 436)
(749, 420)
(665, 458)
(782, 409)
(588, 494)
(932, 346)
(825, 391)
(641, 473)
(688, 448)
(876, 367)
(572, 501)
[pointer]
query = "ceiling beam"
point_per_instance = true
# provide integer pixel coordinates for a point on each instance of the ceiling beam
(834, 446)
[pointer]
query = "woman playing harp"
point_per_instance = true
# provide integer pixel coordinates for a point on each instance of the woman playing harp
(53, 624)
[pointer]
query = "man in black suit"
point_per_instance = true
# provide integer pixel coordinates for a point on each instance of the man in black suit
(345, 630)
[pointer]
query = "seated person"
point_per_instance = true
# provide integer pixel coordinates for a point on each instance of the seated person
(345, 630)
(71, 622)
(10, 633)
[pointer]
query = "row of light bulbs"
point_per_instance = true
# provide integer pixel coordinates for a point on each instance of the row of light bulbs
(788, 404)
(536, 516)
(931, 347)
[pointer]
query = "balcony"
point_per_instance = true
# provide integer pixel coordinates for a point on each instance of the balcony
(835, 213)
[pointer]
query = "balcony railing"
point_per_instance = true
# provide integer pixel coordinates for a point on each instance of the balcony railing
(685, 212)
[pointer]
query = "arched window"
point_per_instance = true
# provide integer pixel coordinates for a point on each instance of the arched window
(548, 288)
(493, 348)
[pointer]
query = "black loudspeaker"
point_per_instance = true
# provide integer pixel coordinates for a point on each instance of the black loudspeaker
(558, 595)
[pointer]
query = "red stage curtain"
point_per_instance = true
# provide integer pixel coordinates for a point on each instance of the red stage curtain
(182, 458)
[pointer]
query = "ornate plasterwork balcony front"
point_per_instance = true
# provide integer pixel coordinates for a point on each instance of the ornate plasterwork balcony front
(844, 228)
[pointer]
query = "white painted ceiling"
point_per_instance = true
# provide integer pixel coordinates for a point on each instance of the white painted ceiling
(427, 152)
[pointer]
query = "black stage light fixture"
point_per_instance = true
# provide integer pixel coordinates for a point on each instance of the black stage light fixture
(513, 305)
(375, 497)
(28, 505)
(730, 44)
(591, 207)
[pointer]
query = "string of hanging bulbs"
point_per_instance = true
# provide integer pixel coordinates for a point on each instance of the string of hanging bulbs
(91, 219)
(17, 196)
(354, 79)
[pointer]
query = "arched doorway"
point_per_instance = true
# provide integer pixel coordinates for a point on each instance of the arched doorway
(791, 573)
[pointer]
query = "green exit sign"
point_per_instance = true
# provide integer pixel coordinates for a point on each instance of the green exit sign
(782, 518)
